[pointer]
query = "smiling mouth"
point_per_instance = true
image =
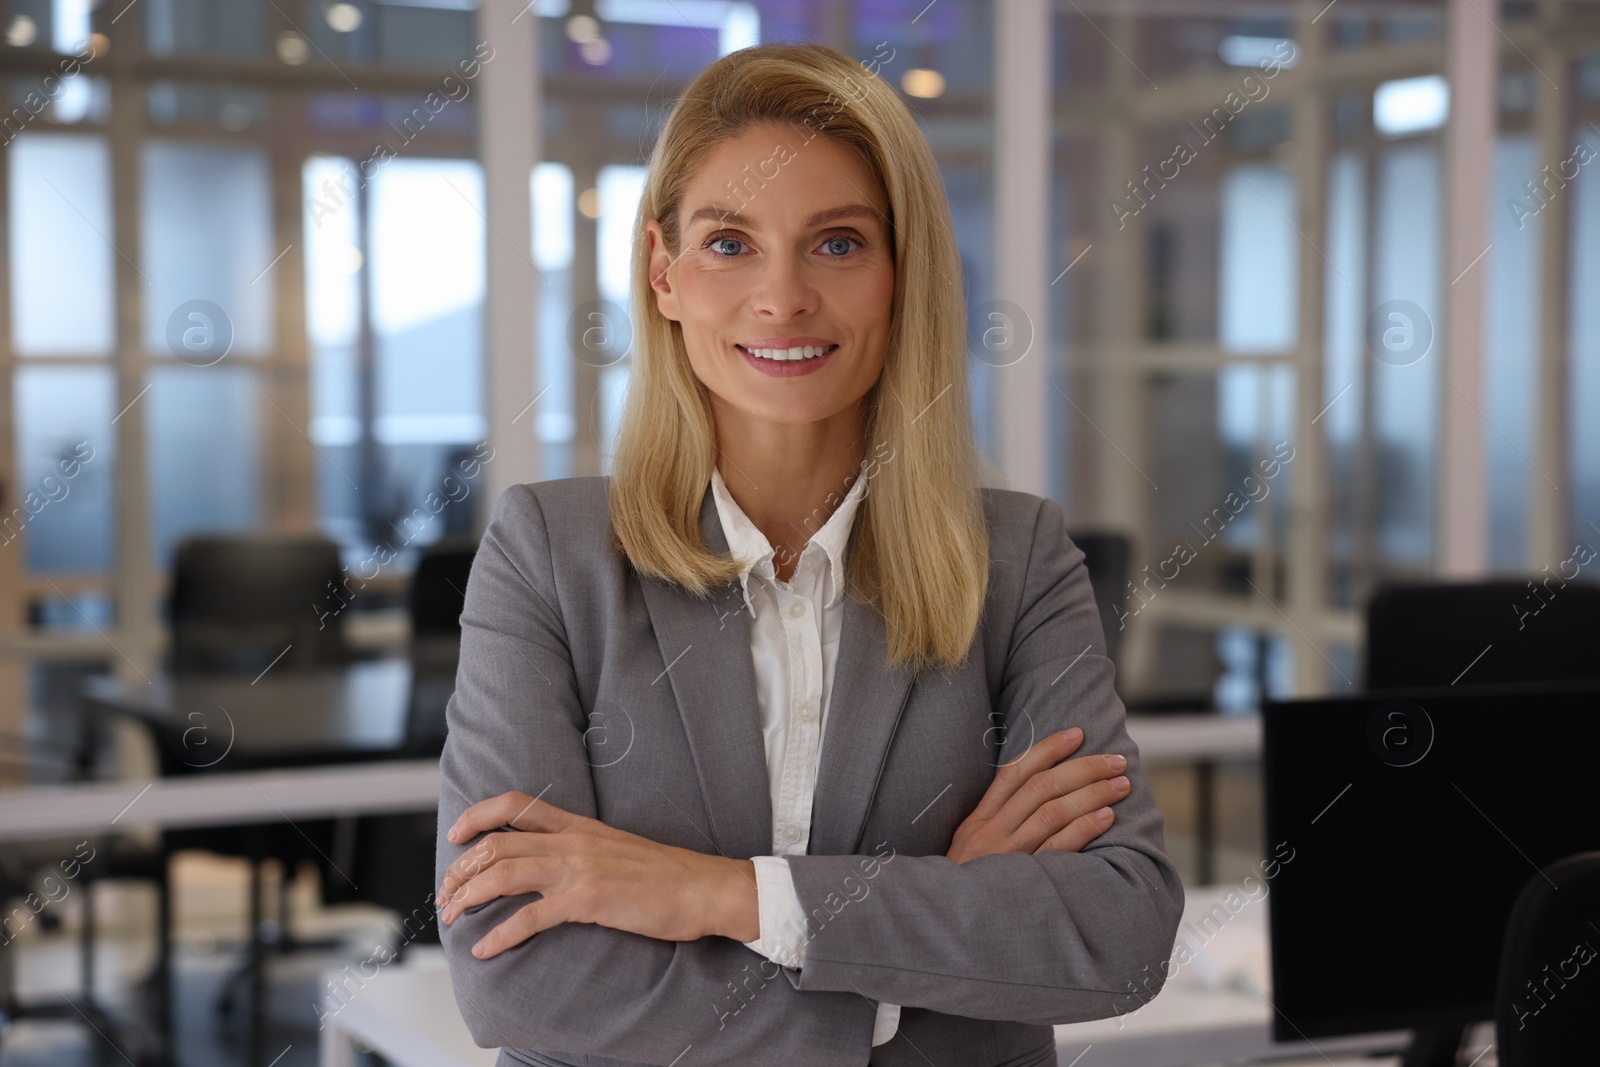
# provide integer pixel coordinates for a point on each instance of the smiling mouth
(788, 355)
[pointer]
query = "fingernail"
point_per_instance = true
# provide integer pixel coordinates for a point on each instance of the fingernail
(1120, 783)
(452, 833)
(1104, 815)
(1116, 762)
(1072, 734)
(480, 950)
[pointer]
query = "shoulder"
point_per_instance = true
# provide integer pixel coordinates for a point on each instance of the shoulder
(1017, 520)
(1030, 551)
(544, 526)
(560, 506)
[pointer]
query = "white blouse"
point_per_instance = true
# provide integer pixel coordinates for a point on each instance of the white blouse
(794, 641)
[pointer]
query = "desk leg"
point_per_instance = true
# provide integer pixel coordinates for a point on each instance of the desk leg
(1205, 822)
(336, 1048)
(164, 1023)
(258, 984)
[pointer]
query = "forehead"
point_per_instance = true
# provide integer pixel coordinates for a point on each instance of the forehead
(774, 174)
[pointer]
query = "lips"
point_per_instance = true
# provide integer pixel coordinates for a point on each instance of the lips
(792, 352)
(788, 362)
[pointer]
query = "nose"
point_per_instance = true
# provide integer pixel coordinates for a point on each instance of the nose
(783, 289)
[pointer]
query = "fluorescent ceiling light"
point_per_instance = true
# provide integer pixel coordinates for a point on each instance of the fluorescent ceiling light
(1410, 105)
(1242, 51)
(738, 23)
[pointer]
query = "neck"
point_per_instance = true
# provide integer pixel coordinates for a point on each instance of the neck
(788, 478)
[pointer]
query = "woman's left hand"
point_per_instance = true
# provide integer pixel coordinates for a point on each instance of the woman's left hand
(590, 873)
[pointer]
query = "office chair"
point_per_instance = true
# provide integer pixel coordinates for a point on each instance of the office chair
(1106, 555)
(1479, 633)
(241, 605)
(391, 856)
(1549, 946)
(238, 603)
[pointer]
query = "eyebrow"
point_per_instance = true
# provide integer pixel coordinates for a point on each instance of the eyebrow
(832, 214)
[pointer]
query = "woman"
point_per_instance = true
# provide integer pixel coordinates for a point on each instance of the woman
(758, 749)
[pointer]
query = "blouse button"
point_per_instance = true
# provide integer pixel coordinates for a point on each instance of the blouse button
(797, 609)
(804, 711)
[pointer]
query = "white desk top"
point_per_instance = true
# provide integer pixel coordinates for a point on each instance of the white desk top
(1189, 737)
(234, 798)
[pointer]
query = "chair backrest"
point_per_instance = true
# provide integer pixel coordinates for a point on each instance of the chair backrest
(438, 594)
(1546, 994)
(1106, 554)
(238, 601)
(1483, 633)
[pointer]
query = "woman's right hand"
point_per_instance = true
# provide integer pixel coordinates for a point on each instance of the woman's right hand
(1039, 803)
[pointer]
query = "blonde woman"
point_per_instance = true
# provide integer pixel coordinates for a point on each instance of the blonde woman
(758, 752)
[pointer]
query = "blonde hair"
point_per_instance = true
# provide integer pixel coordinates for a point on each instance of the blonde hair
(919, 546)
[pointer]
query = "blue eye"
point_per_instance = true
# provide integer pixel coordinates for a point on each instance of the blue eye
(848, 242)
(711, 244)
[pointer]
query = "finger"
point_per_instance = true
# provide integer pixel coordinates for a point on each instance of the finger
(484, 853)
(510, 809)
(511, 876)
(1062, 811)
(1043, 754)
(1076, 835)
(524, 923)
(1055, 782)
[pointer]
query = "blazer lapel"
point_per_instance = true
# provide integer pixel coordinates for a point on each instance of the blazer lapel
(864, 710)
(706, 647)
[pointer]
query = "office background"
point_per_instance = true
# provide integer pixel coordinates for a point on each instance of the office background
(354, 267)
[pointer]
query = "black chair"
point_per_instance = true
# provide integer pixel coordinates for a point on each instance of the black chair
(391, 856)
(1481, 633)
(1106, 556)
(241, 605)
(1545, 997)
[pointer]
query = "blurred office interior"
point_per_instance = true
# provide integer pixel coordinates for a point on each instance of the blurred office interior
(1303, 287)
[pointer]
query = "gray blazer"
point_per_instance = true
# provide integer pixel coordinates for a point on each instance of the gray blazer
(630, 700)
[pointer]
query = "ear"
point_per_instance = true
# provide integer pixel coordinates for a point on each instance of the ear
(660, 262)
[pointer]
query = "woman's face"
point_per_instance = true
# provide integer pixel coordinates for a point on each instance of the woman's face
(785, 253)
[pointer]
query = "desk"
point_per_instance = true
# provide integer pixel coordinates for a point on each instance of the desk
(202, 723)
(407, 1013)
(378, 788)
(1201, 739)
(1213, 1009)
(210, 729)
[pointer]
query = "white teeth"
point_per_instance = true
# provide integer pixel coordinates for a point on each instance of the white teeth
(803, 352)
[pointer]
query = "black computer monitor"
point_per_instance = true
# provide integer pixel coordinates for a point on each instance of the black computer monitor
(1403, 825)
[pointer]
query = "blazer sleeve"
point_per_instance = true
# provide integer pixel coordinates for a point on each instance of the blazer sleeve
(1058, 937)
(516, 723)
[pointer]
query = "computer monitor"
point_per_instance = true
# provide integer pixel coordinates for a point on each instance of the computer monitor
(1403, 825)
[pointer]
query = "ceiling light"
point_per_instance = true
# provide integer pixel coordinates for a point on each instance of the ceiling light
(1410, 105)
(922, 82)
(343, 18)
